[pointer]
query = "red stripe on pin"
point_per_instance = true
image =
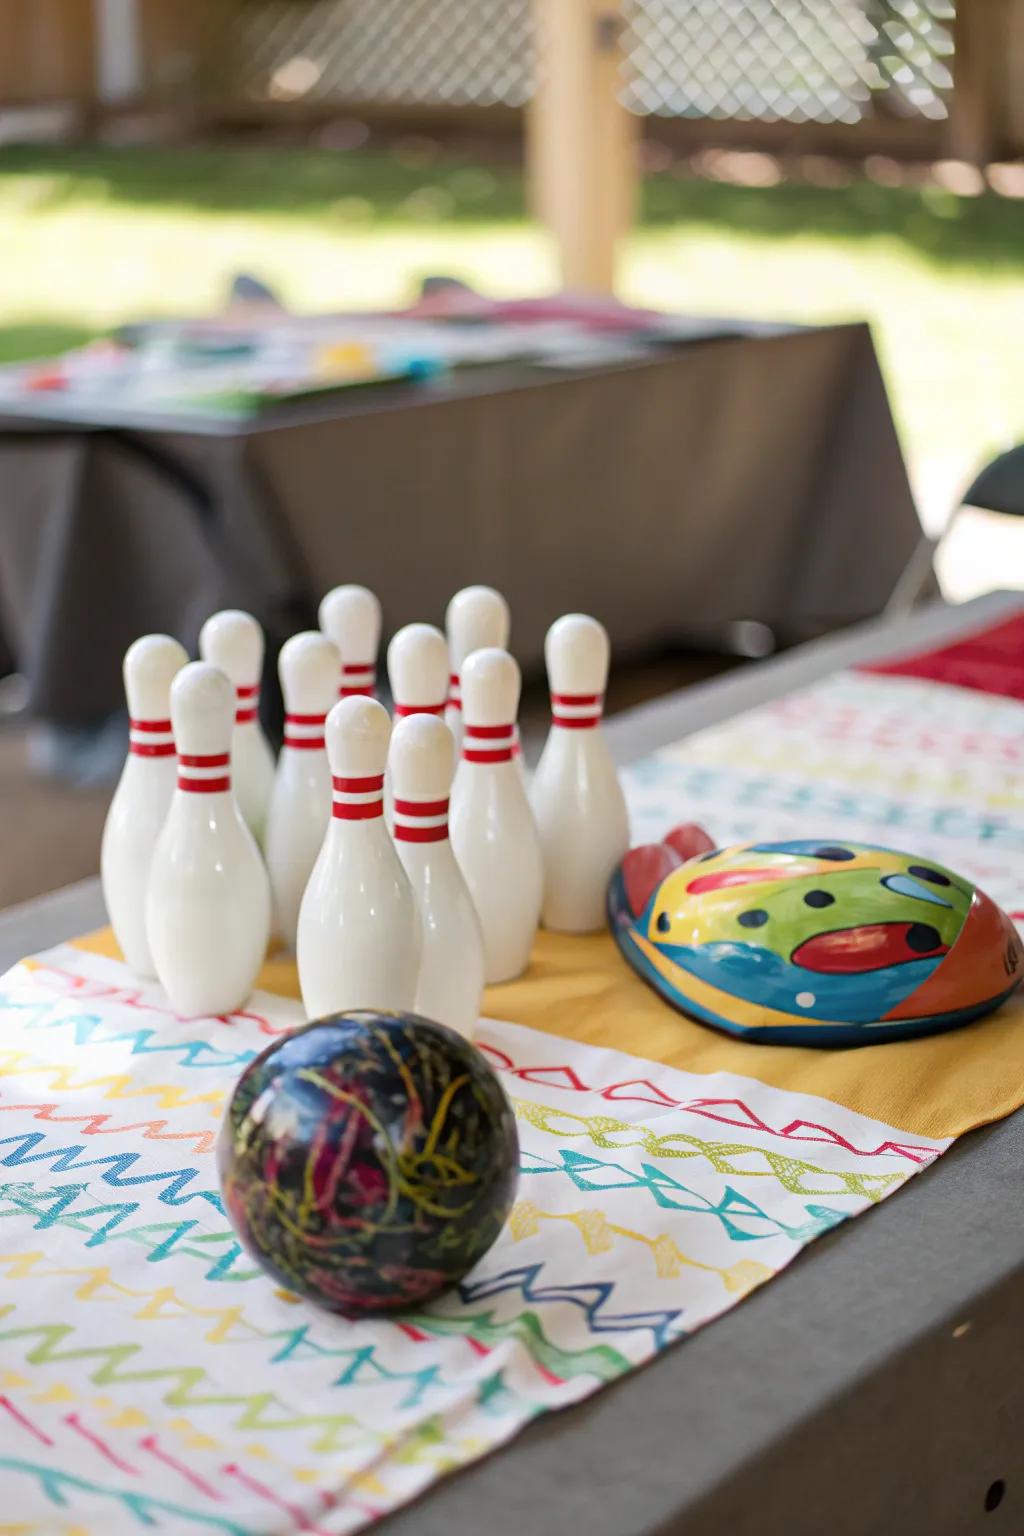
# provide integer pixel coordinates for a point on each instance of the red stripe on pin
(162, 726)
(576, 722)
(217, 760)
(366, 786)
(149, 749)
(421, 807)
(204, 786)
(248, 691)
(404, 834)
(489, 732)
(304, 743)
(357, 810)
(498, 755)
(578, 698)
(344, 692)
(350, 668)
(243, 716)
(402, 710)
(304, 719)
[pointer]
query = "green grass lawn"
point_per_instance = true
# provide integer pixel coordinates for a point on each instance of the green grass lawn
(92, 237)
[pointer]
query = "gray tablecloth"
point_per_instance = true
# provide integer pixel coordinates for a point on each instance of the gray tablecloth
(752, 477)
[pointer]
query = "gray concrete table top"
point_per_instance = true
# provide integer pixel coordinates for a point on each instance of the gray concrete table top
(874, 1387)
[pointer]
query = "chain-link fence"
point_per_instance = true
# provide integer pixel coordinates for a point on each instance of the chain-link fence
(819, 61)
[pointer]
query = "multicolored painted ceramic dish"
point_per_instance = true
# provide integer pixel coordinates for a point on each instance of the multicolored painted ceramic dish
(813, 942)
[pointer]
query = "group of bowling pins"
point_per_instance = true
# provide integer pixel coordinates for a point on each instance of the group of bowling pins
(400, 879)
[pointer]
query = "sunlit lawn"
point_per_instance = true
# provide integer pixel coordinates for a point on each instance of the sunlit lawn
(89, 238)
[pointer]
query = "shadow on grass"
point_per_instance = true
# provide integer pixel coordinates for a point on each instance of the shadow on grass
(378, 187)
(40, 338)
(976, 231)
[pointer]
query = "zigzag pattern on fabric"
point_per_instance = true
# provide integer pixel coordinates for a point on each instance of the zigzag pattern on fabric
(63, 1489)
(86, 1027)
(592, 1173)
(599, 1234)
(791, 1172)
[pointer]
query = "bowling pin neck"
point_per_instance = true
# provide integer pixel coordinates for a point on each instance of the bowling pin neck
(304, 733)
(204, 773)
(576, 711)
(358, 799)
(489, 744)
(150, 738)
(248, 704)
(402, 710)
(420, 821)
(357, 677)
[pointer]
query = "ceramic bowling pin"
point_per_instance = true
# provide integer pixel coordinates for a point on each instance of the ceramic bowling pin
(451, 980)
(143, 793)
(418, 676)
(351, 617)
(300, 802)
(476, 618)
(576, 796)
(359, 939)
(493, 832)
(233, 641)
(208, 896)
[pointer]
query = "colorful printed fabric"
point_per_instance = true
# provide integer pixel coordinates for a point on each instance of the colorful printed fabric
(152, 1378)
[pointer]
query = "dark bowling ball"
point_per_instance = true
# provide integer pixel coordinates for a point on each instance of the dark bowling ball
(368, 1160)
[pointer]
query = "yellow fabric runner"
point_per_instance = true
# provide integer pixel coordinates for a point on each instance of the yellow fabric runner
(582, 989)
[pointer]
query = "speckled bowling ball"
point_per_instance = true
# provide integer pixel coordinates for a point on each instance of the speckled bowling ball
(368, 1160)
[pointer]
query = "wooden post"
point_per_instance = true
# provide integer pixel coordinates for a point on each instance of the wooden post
(580, 138)
(977, 125)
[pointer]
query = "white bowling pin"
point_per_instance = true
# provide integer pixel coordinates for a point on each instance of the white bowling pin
(576, 796)
(493, 832)
(422, 762)
(233, 641)
(300, 802)
(476, 618)
(208, 897)
(418, 676)
(359, 930)
(351, 617)
(143, 793)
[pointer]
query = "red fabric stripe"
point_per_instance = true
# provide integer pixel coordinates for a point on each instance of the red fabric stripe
(360, 810)
(304, 719)
(499, 755)
(405, 834)
(204, 786)
(401, 710)
(219, 760)
(304, 743)
(577, 698)
(149, 725)
(365, 786)
(991, 660)
(576, 722)
(421, 807)
(489, 732)
(243, 716)
(148, 749)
